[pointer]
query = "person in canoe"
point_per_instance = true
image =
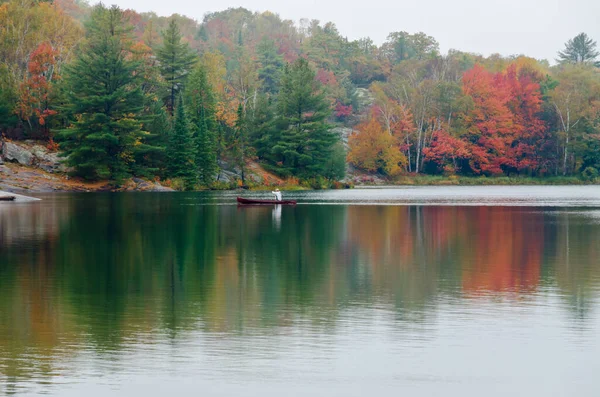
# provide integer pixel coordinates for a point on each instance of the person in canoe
(277, 194)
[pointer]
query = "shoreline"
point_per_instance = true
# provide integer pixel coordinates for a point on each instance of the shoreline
(20, 197)
(21, 180)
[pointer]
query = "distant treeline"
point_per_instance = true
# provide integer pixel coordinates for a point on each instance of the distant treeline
(122, 93)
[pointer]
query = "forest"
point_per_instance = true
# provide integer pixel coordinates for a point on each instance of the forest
(120, 93)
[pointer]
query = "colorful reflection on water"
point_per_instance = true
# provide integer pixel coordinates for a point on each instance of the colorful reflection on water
(126, 293)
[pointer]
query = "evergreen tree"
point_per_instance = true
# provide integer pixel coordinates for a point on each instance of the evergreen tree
(206, 155)
(580, 49)
(336, 165)
(260, 126)
(240, 147)
(105, 99)
(201, 108)
(181, 149)
(306, 140)
(176, 59)
(8, 96)
(271, 65)
(150, 158)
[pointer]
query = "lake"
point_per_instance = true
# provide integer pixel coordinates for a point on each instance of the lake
(425, 291)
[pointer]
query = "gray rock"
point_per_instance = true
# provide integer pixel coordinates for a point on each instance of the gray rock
(365, 97)
(229, 176)
(160, 188)
(16, 153)
(48, 161)
(344, 133)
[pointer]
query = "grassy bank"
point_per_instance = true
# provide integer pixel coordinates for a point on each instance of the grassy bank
(482, 180)
(406, 180)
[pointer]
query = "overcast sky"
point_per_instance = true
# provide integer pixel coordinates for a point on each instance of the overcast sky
(536, 28)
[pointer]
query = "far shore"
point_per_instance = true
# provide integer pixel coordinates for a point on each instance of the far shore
(374, 183)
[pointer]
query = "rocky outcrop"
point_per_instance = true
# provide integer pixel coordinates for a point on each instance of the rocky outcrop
(344, 133)
(364, 97)
(19, 179)
(254, 174)
(16, 153)
(358, 177)
(141, 185)
(18, 198)
(31, 154)
(48, 161)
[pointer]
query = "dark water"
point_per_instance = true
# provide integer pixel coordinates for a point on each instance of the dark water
(420, 292)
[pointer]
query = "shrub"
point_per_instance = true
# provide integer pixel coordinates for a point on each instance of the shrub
(590, 174)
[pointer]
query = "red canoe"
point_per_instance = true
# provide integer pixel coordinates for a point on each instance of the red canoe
(241, 200)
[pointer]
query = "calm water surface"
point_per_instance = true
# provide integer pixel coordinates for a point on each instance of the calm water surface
(479, 291)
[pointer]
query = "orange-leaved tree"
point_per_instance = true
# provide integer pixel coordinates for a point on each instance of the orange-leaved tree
(372, 148)
(490, 122)
(34, 93)
(447, 152)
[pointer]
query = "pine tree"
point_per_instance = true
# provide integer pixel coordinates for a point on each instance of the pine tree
(306, 140)
(580, 49)
(260, 126)
(176, 59)
(240, 147)
(150, 157)
(201, 108)
(271, 65)
(181, 149)
(8, 96)
(105, 99)
(206, 155)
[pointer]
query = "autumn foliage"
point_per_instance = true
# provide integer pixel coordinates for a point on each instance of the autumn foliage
(372, 148)
(412, 108)
(503, 121)
(33, 104)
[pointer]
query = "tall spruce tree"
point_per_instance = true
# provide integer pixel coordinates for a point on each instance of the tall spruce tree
(176, 59)
(271, 65)
(201, 110)
(240, 147)
(150, 158)
(181, 151)
(105, 99)
(306, 140)
(206, 155)
(261, 127)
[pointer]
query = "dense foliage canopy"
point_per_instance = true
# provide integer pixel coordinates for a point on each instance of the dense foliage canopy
(105, 82)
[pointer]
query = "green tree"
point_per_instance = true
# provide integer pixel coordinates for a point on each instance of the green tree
(336, 165)
(580, 49)
(240, 146)
(8, 97)
(306, 141)
(260, 126)
(181, 151)
(105, 98)
(176, 59)
(574, 100)
(401, 46)
(201, 108)
(150, 157)
(271, 65)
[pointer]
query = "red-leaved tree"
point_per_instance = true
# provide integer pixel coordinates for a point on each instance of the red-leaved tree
(34, 92)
